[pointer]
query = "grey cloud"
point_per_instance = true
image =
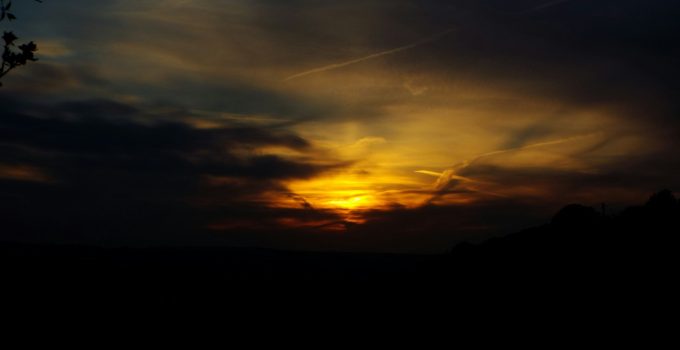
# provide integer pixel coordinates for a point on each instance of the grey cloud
(115, 179)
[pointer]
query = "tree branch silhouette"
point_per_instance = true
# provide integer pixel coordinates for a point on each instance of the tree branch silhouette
(14, 55)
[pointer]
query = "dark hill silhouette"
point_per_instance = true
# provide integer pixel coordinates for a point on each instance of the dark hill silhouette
(633, 252)
(580, 249)
(576, 216)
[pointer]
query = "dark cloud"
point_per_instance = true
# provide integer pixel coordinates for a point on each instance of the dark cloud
(582, 52)
(89, 127)
(117, 179)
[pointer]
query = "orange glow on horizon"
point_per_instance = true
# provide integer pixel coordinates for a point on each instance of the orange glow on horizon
(351, 203)
(356, 191)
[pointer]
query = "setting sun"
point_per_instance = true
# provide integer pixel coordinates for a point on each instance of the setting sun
(351, 202)
(356, 190)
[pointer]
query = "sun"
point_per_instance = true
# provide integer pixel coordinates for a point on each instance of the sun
(339, 192)
(352, 203)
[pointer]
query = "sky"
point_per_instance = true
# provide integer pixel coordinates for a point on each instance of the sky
(372, 125)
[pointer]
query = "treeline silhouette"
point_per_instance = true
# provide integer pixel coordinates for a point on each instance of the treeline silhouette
(582, 250)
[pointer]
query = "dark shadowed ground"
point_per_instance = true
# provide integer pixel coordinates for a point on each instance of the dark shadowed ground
(582, 258)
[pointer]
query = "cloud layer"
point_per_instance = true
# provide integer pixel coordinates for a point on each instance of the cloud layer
(274, 123)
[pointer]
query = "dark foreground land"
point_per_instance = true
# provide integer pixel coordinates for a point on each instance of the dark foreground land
(631, 257)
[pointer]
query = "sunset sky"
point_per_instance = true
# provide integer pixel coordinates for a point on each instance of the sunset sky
(372, 125)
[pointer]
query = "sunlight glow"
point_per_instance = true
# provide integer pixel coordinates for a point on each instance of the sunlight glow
(351, 202)
(355, 191)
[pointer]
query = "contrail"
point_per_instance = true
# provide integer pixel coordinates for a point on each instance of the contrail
(370, 57)
(428, 172)
(533, 145)
(451, 174)
(410, 46)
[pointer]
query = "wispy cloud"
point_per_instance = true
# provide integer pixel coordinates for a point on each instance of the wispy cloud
(451, 176)
(420, 42)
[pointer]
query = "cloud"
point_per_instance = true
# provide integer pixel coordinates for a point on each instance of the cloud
(92, 171)
(182, 120)
(22, 173)
(53, 49)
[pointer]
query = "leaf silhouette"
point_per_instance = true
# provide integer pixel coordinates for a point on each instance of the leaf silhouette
(11, 57)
